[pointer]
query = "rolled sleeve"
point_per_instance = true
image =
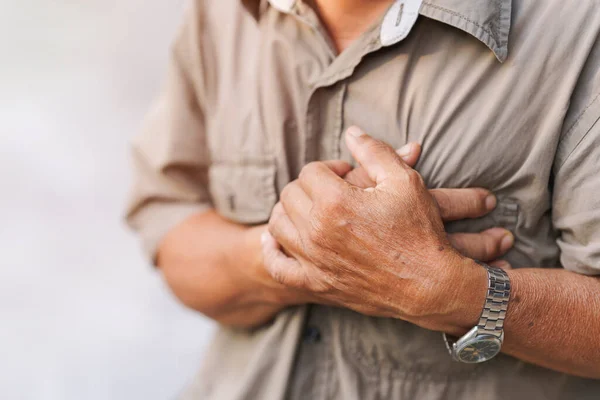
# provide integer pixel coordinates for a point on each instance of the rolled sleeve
(170, 156)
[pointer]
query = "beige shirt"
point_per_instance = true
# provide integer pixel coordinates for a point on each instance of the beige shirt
(502, 94)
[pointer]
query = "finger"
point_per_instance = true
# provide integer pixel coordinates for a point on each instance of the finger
(297, 205)
(338, 167)
(458, 204)
(505, 265)
(283, 269)
(410, 153)
(317, 178)
(485, 246)
(358, 176)
(284, 231)
(377, 158)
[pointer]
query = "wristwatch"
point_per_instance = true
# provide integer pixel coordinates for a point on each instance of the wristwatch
(484, 341)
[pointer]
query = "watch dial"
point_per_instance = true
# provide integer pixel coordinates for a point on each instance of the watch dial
(479, 350)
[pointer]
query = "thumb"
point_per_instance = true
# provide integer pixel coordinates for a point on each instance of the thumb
(377, 158)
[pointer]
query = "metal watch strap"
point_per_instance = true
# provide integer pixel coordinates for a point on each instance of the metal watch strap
(491, 321)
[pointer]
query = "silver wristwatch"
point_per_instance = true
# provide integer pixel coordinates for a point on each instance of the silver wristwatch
(484, 341)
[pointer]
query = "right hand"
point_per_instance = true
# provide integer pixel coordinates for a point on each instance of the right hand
(456, 204)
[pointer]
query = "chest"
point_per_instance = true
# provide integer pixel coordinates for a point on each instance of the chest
(480, 123)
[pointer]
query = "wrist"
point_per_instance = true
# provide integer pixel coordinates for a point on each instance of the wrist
(463, 300)
(258, 280)
(252, 267)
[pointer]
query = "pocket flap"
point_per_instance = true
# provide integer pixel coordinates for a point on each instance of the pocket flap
(505, 215)
(243, 193)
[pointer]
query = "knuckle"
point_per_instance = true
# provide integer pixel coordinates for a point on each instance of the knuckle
(309, 169)
(318, 283)
(444, 202)
(282, 275)
(332, 202)
(285, 193)
(376, 146)
(278, 275)
(475, 202)
(276, 214)
(290, 192)
(414, 178)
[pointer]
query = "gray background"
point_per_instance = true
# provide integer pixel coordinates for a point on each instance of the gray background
(81, 314)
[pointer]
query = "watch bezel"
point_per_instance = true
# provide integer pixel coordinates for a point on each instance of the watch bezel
(470, 340)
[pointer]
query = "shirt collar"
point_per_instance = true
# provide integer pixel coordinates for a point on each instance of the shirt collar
(488, 21)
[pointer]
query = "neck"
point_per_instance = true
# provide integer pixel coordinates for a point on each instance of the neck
(346, 20)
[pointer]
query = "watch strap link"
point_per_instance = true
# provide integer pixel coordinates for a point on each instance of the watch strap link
(491, 321)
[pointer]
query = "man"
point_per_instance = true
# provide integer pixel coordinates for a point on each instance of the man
(502, 95)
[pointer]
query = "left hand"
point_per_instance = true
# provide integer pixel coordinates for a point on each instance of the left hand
(381, 251)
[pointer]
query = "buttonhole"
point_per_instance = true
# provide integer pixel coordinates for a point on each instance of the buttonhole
(399, 17)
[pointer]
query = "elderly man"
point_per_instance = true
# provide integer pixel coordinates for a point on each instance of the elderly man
(364, 283)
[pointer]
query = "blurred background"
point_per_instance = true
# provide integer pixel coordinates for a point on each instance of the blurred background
(82, 315)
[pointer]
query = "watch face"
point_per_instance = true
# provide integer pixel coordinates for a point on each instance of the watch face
(479, 350)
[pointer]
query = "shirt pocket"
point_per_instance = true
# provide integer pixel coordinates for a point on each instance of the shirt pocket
(243, 193)
(505, 215)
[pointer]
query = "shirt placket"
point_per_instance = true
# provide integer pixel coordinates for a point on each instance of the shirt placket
(325, 103)
(313, 375)
(322, 136)
(314, 119)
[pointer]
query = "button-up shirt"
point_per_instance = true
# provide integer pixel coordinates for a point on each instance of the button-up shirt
(501, 94)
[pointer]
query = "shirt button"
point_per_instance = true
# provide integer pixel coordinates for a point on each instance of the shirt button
(312, 335)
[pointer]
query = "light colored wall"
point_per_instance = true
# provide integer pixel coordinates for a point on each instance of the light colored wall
(81, 314)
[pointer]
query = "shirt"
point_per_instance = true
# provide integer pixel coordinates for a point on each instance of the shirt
(501, 94)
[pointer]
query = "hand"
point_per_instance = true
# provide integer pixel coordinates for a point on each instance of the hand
(380, 251)
(455, 204)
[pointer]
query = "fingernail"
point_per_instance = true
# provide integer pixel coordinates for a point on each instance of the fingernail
(405, 150)
(355, 131)
(507, 242)
(490, 202)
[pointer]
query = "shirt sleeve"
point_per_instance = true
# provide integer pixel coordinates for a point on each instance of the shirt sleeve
(576, 191)
(170, 157)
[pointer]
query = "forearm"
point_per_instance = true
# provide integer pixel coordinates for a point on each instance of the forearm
(215, 267)
(553, 320)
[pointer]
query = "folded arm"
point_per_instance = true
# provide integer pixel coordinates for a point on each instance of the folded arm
(216, 266)
(213, 265)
